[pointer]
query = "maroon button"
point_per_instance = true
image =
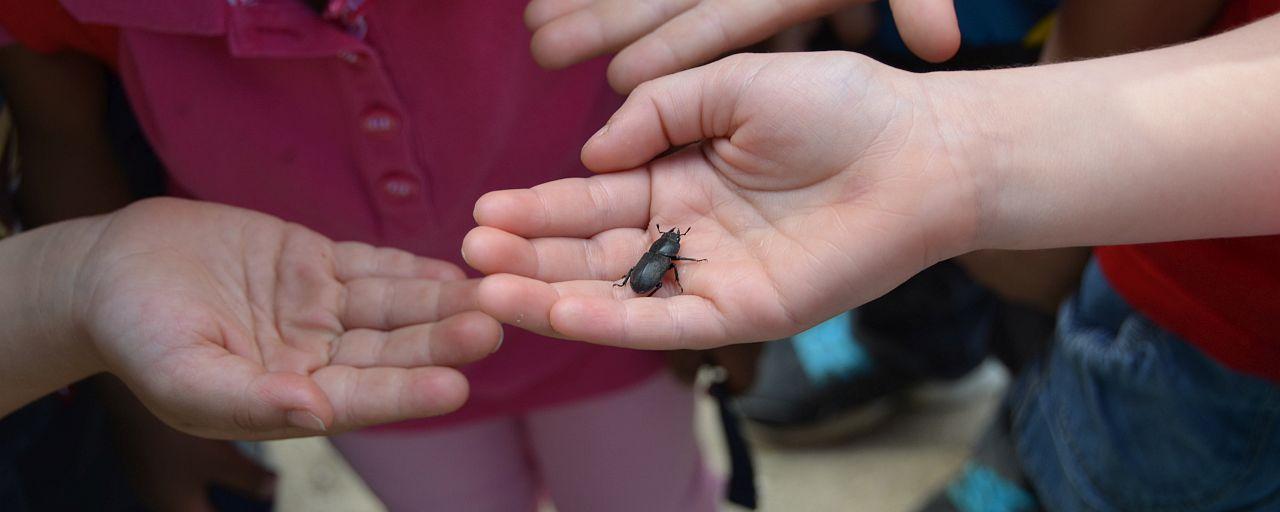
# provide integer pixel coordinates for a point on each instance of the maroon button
(399, 186)
(379, 120)
(352, 58)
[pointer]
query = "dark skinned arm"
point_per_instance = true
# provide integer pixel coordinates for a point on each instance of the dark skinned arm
(65, 157)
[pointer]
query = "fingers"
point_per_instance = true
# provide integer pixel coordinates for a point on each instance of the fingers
(574, 207)
(598, 312)
(354, 260)
(606, 256)
(594, 28)
(928, 27)
(456, 340)
(213, 393)
(672, 111)
(381, 303)
(539, 12)
(711, 29)
(520, 301)
(659, 37)
(408, 323)
(363, 397)
(682, 321)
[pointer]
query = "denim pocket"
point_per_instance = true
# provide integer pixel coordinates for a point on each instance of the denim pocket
(1140, 420)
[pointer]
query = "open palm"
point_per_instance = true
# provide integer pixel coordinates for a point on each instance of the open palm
(817, 186)
(229, 323)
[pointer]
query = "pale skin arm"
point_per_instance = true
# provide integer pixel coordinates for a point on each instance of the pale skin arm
(41, 349)
(1085, 29)
(824, 180)
(232, 324)
(1170, 144)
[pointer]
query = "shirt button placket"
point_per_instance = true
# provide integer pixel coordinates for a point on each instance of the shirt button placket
(380, 121)
(351, 57)
(399, 186)
(384, 153)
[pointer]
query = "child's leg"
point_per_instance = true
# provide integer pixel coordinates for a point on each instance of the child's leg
(630, 450)
(477, 467)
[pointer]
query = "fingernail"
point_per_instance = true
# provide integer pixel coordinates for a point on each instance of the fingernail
(602, 131)
(305, 420)
(502, 333)
(267, 490)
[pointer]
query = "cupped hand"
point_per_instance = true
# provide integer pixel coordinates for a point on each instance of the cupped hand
(232, 324)
(658, 37)
(811, 183)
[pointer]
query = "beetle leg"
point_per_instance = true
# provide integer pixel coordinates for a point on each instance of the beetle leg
(681, 258)
(624, 279)
(655, 290)
(677, 272)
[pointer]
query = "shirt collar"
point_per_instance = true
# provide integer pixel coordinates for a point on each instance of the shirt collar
(253, 28)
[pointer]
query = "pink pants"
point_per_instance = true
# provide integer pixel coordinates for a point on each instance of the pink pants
(633, 449)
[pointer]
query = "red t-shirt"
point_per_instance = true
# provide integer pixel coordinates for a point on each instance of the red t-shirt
(1221, 295)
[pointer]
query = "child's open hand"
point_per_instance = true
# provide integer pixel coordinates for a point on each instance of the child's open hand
(821, 183)
(658, 37)
(233, 324)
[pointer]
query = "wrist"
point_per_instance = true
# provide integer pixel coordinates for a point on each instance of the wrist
(961, 110)
(43, 343)
(1001, 131)
(58, 256)
(79, 284)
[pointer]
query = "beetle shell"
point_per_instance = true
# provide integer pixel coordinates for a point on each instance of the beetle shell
(648, 272)
(646, 276)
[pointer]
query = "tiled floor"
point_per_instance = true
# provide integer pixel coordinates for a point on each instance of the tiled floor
(891, 469)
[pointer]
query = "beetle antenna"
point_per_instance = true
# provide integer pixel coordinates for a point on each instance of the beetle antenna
(659, 226)
(687, 230)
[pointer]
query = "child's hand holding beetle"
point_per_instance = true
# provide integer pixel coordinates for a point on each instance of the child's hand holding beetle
(773, 207)
(815, 182)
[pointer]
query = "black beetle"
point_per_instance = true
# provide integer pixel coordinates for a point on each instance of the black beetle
(646, 276)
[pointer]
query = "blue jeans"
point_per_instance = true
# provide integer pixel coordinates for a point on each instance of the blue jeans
(1125, 416)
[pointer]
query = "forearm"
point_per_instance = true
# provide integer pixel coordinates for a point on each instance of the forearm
(1085, 29)
(42, 348)
(1171, 144)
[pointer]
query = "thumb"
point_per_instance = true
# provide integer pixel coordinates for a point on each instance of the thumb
(283, 400)
(670, 111)
(228, 396)
(928, 27)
